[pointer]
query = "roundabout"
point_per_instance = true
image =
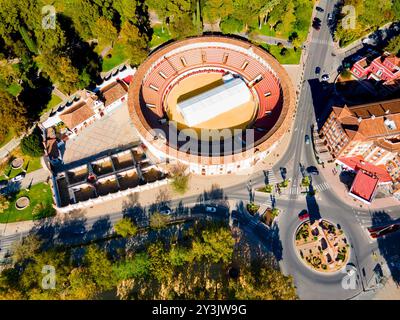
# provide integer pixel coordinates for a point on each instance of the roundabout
(321, 246)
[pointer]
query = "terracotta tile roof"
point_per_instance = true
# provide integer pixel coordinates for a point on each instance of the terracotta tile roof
(364, 186)
(114, 92)
(368, 121)
(76, 115)
(358, 163)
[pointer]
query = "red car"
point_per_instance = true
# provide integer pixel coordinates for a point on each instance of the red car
(304, 215)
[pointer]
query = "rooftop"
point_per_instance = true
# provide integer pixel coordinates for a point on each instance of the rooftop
(364, 186)
(358, 163)
(78, 114)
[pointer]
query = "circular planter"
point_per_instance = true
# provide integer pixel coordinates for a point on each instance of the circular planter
(17, 163)
(318, 252)
(22, 203)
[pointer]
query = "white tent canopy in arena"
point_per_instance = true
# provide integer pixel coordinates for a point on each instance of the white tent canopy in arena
(210, 104)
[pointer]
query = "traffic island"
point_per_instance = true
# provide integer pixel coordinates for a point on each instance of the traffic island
(321, 246)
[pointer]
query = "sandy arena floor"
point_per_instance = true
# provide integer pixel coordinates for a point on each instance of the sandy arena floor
(237, 118)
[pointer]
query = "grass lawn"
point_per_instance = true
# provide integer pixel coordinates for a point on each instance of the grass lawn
(30, 164)
(54, 101)
(38, 194)
(8, 137)
(158, 36)
(14, 89)
(118, 56)
(291, 56)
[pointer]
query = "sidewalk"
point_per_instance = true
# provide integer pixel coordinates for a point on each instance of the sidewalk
(341, 191)
(391, 291)
(10, 146)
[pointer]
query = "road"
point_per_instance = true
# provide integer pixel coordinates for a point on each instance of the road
(310, 285)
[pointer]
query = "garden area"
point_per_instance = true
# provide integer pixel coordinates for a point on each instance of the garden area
(159, 37)
(322, 246)
(39, 204)
(115, 57)
(29, 163)
(284, 55)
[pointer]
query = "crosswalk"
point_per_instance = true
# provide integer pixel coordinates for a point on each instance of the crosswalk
(365, 222)
(322, 186)
(271, 177)
(294, 190)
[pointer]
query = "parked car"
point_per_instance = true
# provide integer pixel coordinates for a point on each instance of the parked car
(319, 9)
(330, 17)
(165, 210)
(325, 77)
(211, 209)
(316, 23)
(303, 215)
(317, 70)
(18, 177)
(312, 170)
(307, 139)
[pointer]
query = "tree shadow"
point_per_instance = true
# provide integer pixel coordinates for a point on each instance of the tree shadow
(312, 205)
(388, 244)
(215, 194)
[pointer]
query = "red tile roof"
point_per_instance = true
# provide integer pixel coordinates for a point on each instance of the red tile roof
(364, 186)
(358, 163)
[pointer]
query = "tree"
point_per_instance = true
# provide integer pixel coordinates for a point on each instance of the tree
(217, 9)
(26, 249)
(126, 10)
(394, 45)
(135, 41)
(180, 179)
(158, 220)
(267, 284)
(125, 228)
(4, 203)
(32, 145)
(81, 287)
(105, 31)
(12, 114)
(135, 267)
(231, 25)
(216, 246)
(99, 268)
(60, 70)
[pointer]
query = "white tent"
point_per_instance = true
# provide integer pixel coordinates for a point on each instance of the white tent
(214, 102)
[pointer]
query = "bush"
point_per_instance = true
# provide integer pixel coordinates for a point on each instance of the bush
(180, 180)
(125, 227)
(305, 182)
(32, 145)
(252, 208)
(231, 25)
(158, 220)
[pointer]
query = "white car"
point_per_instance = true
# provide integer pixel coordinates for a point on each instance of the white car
(166, 211)
(325, 77)
(211, 209)
(18, 177)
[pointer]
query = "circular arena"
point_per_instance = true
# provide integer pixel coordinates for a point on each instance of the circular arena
(214, 103)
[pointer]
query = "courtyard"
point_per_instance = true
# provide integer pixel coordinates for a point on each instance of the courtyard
(110, 132)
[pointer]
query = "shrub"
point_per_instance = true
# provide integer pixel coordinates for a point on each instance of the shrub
(231, 25)
(252, 208)
(32, 145)
(158, 220)
(305, 182)
(180, 180)
(125, 227)
(268, 188)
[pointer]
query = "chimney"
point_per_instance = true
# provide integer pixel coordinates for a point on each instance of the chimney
(373, 117)
(359, 119)
(387, 111)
